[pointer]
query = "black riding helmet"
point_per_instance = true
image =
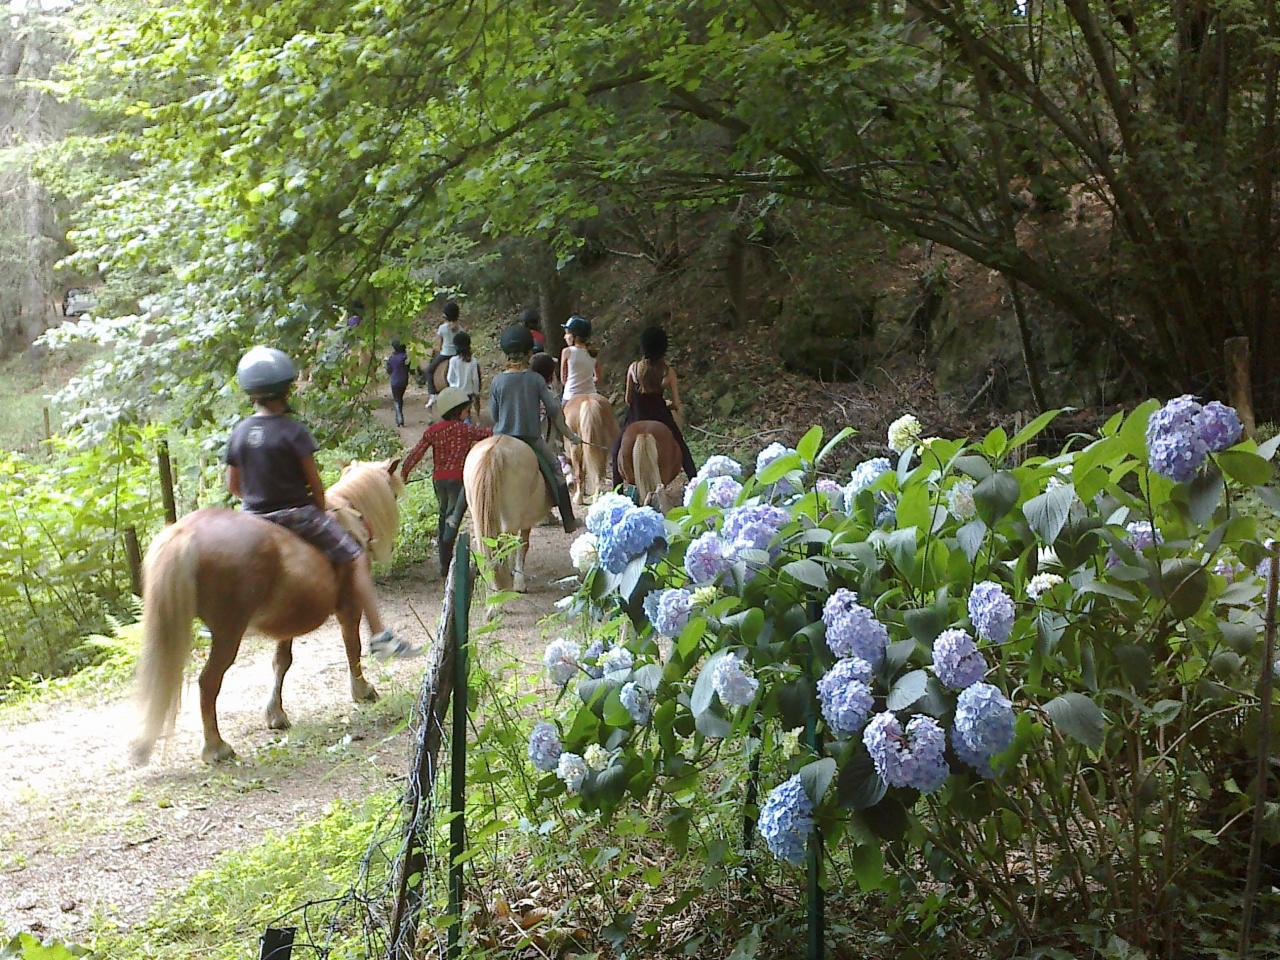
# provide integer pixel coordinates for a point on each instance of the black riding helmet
(516, 341)
(578, 326)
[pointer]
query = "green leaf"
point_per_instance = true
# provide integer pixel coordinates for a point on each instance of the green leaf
(704, 690)
(924, 623)
(1033, 429)
(808, 572)
(780, 468)
(1078, 717)
(995, 496)
(1204, 493)
(1184, 584)
(909, 688)
(1244, 467)
(974, 466)
(844, 434)
(615, 714)
(713, 723)
(1135, 664)
(1047, 513)
(817, 777)
(970, 538)
(795, 701)
(859, 786)
(807, 448)
(867, 861)
(748, 948)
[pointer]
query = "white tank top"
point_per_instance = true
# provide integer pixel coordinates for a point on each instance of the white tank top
(582, 373)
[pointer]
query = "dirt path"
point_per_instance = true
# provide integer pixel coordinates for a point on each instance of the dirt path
(83, 837)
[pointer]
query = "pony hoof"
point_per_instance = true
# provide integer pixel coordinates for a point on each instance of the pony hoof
(277, 720)
(520, 586)
(140, 753)
(217, 753)
(364, 693)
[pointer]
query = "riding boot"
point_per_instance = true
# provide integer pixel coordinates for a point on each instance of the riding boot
(564, 502)
(446, 541)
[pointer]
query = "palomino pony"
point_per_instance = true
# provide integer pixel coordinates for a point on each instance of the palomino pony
(506, 494)
(650, 458)
(591, 417)
(236, 572)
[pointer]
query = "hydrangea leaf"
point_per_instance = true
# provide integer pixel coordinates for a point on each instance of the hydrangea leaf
(1033, 429)
(972, 465)
(1135, 664)
(924, 623)
(795, 702)
(844, 434)
(859, 786)
(807, 571)
(909, 688)
(1244, 467)
(779, 468)
(1078, 717)
(996, 495)
(1047, 513)
(1184, 584)
(817, 777)
(704, 690)
(1203, 494)
(712, 723)
(748, 948)
(1267, 449)
(867, 861)
(970, 538)
(807, 448)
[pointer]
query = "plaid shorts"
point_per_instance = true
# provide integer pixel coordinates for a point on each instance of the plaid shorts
(319, 529)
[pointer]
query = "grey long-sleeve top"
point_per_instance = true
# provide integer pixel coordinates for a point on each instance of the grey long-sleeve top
(514, 399)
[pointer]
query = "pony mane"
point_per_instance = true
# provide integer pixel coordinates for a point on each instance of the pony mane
(372, 490)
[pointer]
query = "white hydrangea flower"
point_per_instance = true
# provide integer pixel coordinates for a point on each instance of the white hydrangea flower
(1042, 583)
(789, 745)
(561, 660)
(572, 769)
(904, 432)
(584, 552)
(596, 757)
(704, 596)
(1047, 557)
(960, 501)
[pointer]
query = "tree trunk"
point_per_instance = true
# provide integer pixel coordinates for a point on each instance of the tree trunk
(556, 298)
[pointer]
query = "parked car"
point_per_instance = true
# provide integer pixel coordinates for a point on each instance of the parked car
(77, 302)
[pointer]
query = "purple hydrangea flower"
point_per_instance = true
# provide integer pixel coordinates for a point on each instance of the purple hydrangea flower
(591, 659)
(1141, 535)
(668, 610)
(635, 699)
(846, 696)
(984, 722)
(617, 660)
(753, 527)
(707, 558)
(852, 629)
(956, 659)
(863, 476)
(723, 492)
(1219, 426)
(1175, 447)
(786, 820)
(561, 660)
(829, 487)
(1228, 568)
(544, 746)
(733, 682)
(916, 758)
(638, 531)
(991, 611)
(774, 451)
(718, 466)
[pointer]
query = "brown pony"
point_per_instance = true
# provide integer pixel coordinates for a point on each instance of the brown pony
(505, 494)
(236, 572)
(650, 458)
(591, 417)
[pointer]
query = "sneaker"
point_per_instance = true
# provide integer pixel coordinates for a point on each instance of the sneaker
(387, 646)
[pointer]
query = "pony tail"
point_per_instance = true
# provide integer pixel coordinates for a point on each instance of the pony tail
(484, 503)
(168, 607)
(644, 465)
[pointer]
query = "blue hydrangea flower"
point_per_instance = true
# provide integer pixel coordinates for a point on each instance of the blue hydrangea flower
(956, 659)
(636, 701)
(722, 491)
(863, 476)
(707, 558)
(980, 762)
(607, 511)
(718, 466)
(984, 720)
(572, 769)
(1175, 447)
(668, 610)
(774, 451)
(852, 629)
(991, 611)
(561, 660)
(638, 532)
(1140, 535)
(916, 758)
(544, 746)
(1219, 426)
(846, 696)
(786, 820)
(753, 527)
(617, 660)
(1228, 568)
(591, 659)
(828, 487)
(887, 513)
(733, 682)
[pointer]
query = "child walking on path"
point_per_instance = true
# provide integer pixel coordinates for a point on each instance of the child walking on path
(398, 368)
(517, 397)
(271, 467)
(464, 374)
(579, 368)
(450, 440)
(648, 381)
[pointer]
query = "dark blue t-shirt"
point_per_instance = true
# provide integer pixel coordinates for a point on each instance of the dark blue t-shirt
(398, 367)
(268, 450)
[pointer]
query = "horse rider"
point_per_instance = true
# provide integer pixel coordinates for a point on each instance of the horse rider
(271, 468)
(516, 398)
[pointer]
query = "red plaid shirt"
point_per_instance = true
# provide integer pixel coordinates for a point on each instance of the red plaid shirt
(450, 441)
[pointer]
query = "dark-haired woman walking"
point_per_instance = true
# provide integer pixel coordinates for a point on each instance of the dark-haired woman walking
(648, 381)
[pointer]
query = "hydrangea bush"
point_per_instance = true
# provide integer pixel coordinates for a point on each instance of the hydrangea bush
(1037, 663)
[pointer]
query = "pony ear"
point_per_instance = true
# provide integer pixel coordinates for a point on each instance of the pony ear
(393, 466)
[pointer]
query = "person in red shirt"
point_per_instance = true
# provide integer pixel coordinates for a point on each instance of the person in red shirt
(450, 440)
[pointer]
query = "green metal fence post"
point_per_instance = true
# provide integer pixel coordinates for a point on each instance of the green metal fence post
(814, 894)
(458, 740)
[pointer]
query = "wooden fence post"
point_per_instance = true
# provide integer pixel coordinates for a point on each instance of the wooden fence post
(1235, 351)
(48, 425)
(133, 553)
(166, 483)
